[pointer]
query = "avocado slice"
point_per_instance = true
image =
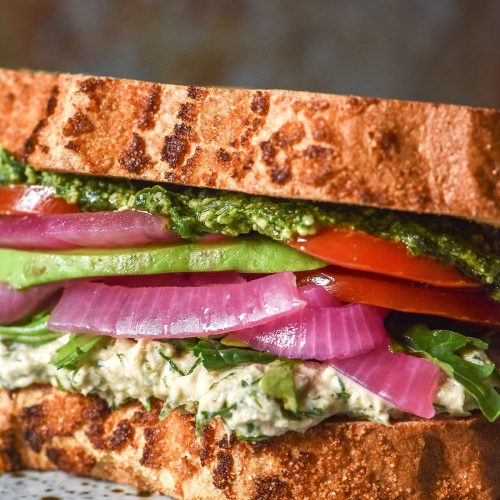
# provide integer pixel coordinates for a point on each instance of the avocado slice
(22, 269)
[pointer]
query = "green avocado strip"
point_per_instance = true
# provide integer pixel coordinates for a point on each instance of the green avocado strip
(22, 269)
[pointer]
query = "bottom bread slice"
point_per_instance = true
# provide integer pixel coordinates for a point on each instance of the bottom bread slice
(44, 428)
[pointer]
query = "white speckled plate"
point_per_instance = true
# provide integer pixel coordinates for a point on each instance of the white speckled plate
(31, 485)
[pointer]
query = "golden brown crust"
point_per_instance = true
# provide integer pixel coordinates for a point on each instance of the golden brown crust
(415, 156)
(438, 459)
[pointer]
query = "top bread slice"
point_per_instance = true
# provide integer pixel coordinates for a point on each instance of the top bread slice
(422, 157)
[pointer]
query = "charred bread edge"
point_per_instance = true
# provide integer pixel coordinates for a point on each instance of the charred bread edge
(403, 155)
(44, 428)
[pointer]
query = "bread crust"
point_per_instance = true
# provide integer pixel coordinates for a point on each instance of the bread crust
(44, 428)
(415, 156)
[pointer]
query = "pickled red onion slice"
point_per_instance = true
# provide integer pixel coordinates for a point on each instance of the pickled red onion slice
(17, 304)
(126, 228)
(323, 330)
(174, 312)
(408, 382)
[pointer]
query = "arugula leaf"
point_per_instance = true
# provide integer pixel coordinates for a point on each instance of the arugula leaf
(184, 344)
(441, 347)
(279, 382)
(215, 356)
(76, 348)
(34, 332)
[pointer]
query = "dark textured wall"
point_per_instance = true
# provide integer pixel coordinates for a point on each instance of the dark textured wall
(444, 50)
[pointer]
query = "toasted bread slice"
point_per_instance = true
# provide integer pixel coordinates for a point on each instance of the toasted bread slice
(413, 156)
(44, 428)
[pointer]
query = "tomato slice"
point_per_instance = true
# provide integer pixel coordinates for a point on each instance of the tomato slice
(21, 200)
(358, 250)
(347, 285)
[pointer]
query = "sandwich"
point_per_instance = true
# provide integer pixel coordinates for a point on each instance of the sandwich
(227, 293)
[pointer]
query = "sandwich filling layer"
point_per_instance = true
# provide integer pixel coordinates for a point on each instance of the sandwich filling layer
(269, 314)
(126, 370)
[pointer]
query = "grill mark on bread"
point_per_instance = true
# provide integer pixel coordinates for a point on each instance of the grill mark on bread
(176, 145)
(260, 103)
(385, 143)
(187, 112)
(150, 108)
(95, 434)
(93, 88)
(320, 160)
(222, 475)
(134, 159)
(174, 148)
(150, 456)
(77, 125)
(223, 156)
(32, 141)
(90, 85)
(122, 435)
(58, 416)
(143, 417)
(281, 144)
(9, 451)
(96, 409)
(196, 92)
(270, 488)
(73, 459)
(73, 145)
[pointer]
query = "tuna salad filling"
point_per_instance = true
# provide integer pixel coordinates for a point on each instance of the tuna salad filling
(126, 370)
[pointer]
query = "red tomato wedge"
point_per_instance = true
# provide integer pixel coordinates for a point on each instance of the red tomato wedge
(39, 200)
(359, 250)
(368, 288)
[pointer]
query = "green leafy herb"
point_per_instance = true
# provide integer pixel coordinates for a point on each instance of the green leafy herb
(146, 403)
(171, 363)
(342, 394)
(165, 411)
(215, 356)
(76, 349)
(205, 416)
(279, 383)
(255, 398)
(312, 412)
(33, 332)
(59, 383)
(443, 347)
(193, 366)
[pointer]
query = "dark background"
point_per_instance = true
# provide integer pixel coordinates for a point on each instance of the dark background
(438, 50)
